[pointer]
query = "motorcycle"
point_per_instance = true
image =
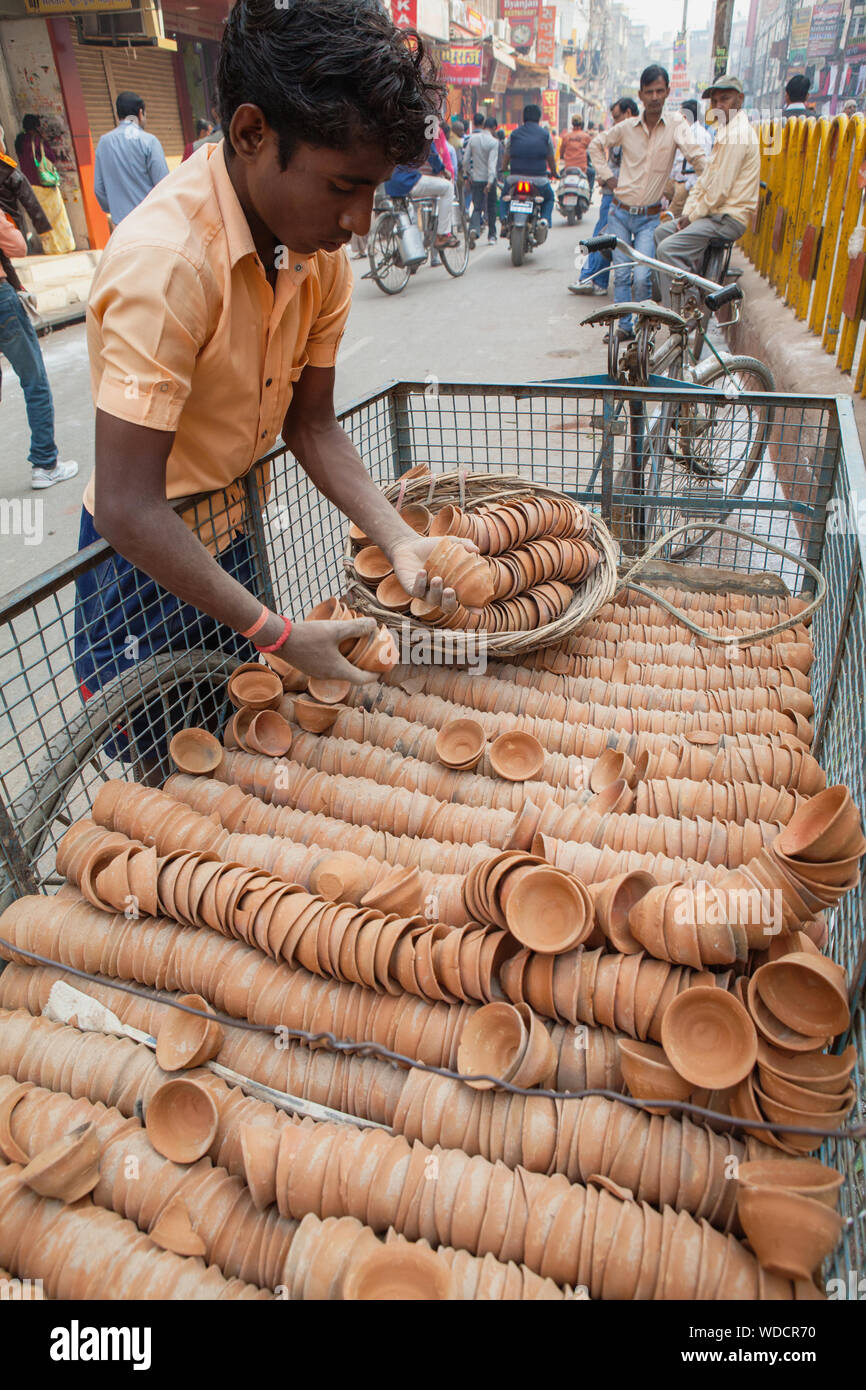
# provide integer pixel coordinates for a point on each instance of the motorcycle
(573, 195)
(523, 223)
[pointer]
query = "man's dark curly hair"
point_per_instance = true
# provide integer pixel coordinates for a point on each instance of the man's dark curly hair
(329, 72)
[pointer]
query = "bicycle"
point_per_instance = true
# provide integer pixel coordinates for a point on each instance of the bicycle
(388, 268)
(682, 462)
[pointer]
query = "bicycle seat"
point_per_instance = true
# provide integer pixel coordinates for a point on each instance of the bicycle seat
(716, 260)
(657, 313)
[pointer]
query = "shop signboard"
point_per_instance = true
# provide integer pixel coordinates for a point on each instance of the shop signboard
(825, 30)
(545, 41)
(460, 64)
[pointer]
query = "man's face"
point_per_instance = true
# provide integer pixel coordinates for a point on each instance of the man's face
(654, 97)
(729, 102)
(618, 114)
(319, 199)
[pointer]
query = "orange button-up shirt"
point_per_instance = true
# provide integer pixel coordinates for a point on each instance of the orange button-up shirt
(185, 333)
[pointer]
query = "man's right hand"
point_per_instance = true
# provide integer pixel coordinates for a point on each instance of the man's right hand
(609, 184)
(314, 647)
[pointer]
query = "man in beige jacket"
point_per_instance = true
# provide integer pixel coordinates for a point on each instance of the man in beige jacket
(725, 196)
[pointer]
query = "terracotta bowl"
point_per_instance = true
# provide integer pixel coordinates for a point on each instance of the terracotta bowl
(67, 1169)
(182, 1120)
(293, 679)
(372, 563)
(825, 827)
(186, 1040)
(613, 900)
(836, 873)
(819, 1071)
(805, 1176)
(328, 692)
(492, 1043)
(772, 1030)
(709, 1037)
(801, 1097)
(259, 688)
(235, 732)
(391, 594)
(400, 1272)
(195, 751)
(649, 1075)
(608, 768)
(416, 516)
(783, 1114)
(269, 733)
(516, 756)
(547, 912)
(538, 1064)
(313, 716)
(461, 743)
(807, 992)
(790, 1234)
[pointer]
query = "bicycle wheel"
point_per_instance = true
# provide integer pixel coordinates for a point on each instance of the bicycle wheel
(456, 258)
(704, 454)
(386, 268)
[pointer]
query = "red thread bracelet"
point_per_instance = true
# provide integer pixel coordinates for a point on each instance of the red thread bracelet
(259, 623)
(287, 627)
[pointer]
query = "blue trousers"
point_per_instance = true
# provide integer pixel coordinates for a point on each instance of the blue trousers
(631, 282)
(597, 266)
(20, 344)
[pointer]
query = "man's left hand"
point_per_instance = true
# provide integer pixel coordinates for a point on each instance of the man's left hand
(409, 559)
(682, 223)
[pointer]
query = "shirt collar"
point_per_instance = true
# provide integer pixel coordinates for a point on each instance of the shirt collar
(662, 120)
(239, 238)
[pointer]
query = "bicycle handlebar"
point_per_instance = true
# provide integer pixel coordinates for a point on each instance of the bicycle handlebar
(725, 296)
(611, 243)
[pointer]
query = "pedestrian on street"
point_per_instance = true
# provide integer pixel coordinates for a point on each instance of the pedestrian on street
(796, 92)
(203, 130)
(595, 275)
(480, 160)
(20, 346)
(129, 160)
(16, 198)
(573, 146)
(725, 196)
(214, 322)
(683, 176)
(38, 165)
(649, 143)
(529, 154)
(849, 109)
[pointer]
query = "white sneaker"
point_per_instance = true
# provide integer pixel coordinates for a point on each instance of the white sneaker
(47, 477)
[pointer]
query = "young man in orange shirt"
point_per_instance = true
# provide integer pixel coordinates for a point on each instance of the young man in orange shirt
(213, 326)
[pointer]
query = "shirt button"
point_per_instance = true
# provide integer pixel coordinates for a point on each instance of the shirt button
(297, 267)
(269, 380)
(163, 386)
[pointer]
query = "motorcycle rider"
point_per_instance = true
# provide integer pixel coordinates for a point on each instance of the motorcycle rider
(573, 146)
(529, 154)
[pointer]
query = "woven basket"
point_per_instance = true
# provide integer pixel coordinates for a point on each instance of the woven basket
(469, 491)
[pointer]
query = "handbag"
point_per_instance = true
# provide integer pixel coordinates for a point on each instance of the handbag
(48, 175)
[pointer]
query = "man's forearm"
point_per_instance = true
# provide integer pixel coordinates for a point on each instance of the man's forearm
(333, 464)
(153, 537)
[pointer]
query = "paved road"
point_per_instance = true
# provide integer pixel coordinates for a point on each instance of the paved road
(496, 323)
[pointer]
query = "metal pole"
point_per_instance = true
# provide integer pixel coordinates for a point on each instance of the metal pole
(722, 35)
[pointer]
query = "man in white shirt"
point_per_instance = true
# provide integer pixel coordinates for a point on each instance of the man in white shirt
(684, 175)
(725, 195)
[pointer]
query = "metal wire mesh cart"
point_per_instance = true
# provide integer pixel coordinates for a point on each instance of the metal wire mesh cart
(783, 468)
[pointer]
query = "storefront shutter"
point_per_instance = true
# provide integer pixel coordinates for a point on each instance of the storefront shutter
(149, 72)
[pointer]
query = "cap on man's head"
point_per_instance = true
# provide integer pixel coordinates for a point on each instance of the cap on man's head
(726, 83)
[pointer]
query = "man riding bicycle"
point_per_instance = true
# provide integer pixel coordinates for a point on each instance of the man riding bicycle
(725, 196)
(409, 182)
(529, 154)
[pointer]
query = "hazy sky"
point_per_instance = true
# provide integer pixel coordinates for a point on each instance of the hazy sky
(663, 15)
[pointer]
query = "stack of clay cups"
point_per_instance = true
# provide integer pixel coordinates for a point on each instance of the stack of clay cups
(506, 1042)
(545, 909)
(787, 1209)
(501, 526)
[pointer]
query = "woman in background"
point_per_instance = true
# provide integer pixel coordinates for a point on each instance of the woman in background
(37, 164)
